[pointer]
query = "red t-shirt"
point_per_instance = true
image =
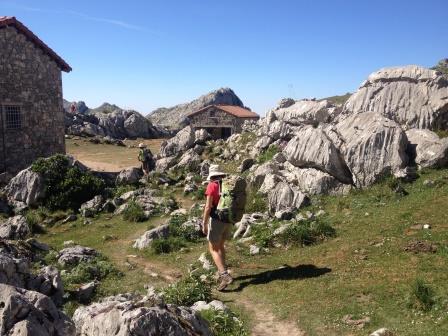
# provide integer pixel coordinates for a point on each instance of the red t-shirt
(213, 190)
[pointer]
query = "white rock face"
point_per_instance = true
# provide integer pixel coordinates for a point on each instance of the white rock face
(312, 148)
(29, 313)
(372, 147)
(147, 238)
(76, 254)
(14, 228)
(125, 315)
(129, 176)
(285, 197)
(430, 150)
(27, 187)
(411, 95)
(182, 141)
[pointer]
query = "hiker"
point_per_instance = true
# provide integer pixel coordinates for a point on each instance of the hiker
(73, 108)
(216, 222)
(146, 158)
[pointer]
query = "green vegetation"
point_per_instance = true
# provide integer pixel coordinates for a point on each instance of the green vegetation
(167, 245)
(66, 187)
(442, 133)
(442, 66)
(255, 202)
(268, 154)
(134, 212)
(122, 189)
(422, 296)
(224, 323)
(339, 100)
(34, 220)
(187, 291)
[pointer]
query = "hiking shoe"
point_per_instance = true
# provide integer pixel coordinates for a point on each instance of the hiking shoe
(225, 280)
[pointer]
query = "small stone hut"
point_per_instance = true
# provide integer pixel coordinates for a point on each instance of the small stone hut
(31, 108)
(221, 121)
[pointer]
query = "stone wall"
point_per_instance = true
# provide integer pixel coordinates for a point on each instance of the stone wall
(31, 80)
(215, 118)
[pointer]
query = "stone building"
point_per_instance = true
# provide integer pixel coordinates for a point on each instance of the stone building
(31, 108)
(221, 121)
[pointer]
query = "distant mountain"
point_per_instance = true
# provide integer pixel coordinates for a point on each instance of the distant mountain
(172, 117)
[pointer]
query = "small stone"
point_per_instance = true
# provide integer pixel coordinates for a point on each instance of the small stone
(70, 218)
(68, 243)
(382, 332)
(85, 292)
(428, 183)
(254, 250)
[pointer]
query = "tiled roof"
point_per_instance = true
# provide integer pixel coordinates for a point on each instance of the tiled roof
(6, 21)
(237, 111)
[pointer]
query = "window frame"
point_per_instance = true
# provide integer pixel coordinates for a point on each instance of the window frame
(18, 121)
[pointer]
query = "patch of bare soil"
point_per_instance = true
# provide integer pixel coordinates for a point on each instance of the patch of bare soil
(265, 323)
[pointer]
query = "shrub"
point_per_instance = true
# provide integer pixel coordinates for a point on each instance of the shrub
(268, 154)
(122, 189)
(187, 291)
(199, 194)
(223, 323)
(167, 245)
(134, 212)
(66, 187)
(184, 232)
(255, 202)
(422, 296)
(33, 219)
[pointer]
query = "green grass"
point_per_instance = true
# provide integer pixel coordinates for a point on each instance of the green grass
(339, 99)
(268, 154)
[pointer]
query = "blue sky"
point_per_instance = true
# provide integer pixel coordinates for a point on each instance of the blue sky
(147, 54)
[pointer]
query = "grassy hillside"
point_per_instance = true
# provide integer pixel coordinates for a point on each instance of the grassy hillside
(364, 271)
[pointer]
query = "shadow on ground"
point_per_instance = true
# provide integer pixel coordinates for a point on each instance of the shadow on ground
(285, 272)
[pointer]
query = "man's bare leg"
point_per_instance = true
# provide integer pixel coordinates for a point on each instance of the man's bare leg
(218, 255)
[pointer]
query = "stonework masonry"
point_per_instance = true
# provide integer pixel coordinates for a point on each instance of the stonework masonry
(215, 120)
(31, 81)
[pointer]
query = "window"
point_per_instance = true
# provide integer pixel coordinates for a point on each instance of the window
(13, 117)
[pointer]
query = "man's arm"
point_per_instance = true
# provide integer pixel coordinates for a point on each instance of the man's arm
(206, 216)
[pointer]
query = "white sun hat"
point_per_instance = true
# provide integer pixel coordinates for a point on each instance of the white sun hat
(141, 145)
(214, 170)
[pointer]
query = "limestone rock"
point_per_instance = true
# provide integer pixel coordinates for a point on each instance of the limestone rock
(373, 146)
(311, 148)
(256, 178)
(129, 176)
(85, 292)
(202, 305)
(14, 228)
(92, 207)
(182, 141)
(125, 315)
(413, 96)
(146, 239)
(29, 313)
(237, 187)
(382, 332)
(27, 187)
(163, 164)
(13, 271)
(189, 161)
(76, 254)
(201, 136)
(428, 148)
(247, 220)
(48, 282)
(284, 196)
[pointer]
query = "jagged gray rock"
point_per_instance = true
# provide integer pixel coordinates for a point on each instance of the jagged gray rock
(27, 187)
(129, 176)
(147, 238)
(76, 254)
(29, 313)
(373, 146)
(126, 315)
(413, 96)
(312, 148)
(189, 161)
(48, 282)
(429, 150)
(284, 197)
(92, 207)
(14, 228)
(173, 117)
(183, 140)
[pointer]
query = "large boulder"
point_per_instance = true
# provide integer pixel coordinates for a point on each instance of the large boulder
(29, 313)
(48, 282)
(237, 187)
(427, 148)
(411, 95)
(136, 126)
(76, 254)
(182, 141)
(373, 146)
(27, 187)
(13, 271)
(129, 176)
(286, 197)
(126, 315)
(14, 228)
(189, 161)
(148, 237)
(92, 207)
(312, 148)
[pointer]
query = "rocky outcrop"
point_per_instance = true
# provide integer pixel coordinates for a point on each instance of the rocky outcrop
(147, 238)
(14, 228)
(48, 282)
(76, 254)
(373, 146)
(173, 117)
(183, 140)
(129, 176)
(92, 207)
(26, 187)
(126, 315)
(427, 149)
(29, 313)
(413, 96)
(286, 197)
(312, 148)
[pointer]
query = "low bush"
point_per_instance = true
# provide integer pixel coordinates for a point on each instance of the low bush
(255, 202)
(167, 245)
(187, 291)
(224, 323)
(34, 219)
(422, 296)
(66, 187)
(134, 212)
(122, 189)
(268, 154)
(184, 232)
